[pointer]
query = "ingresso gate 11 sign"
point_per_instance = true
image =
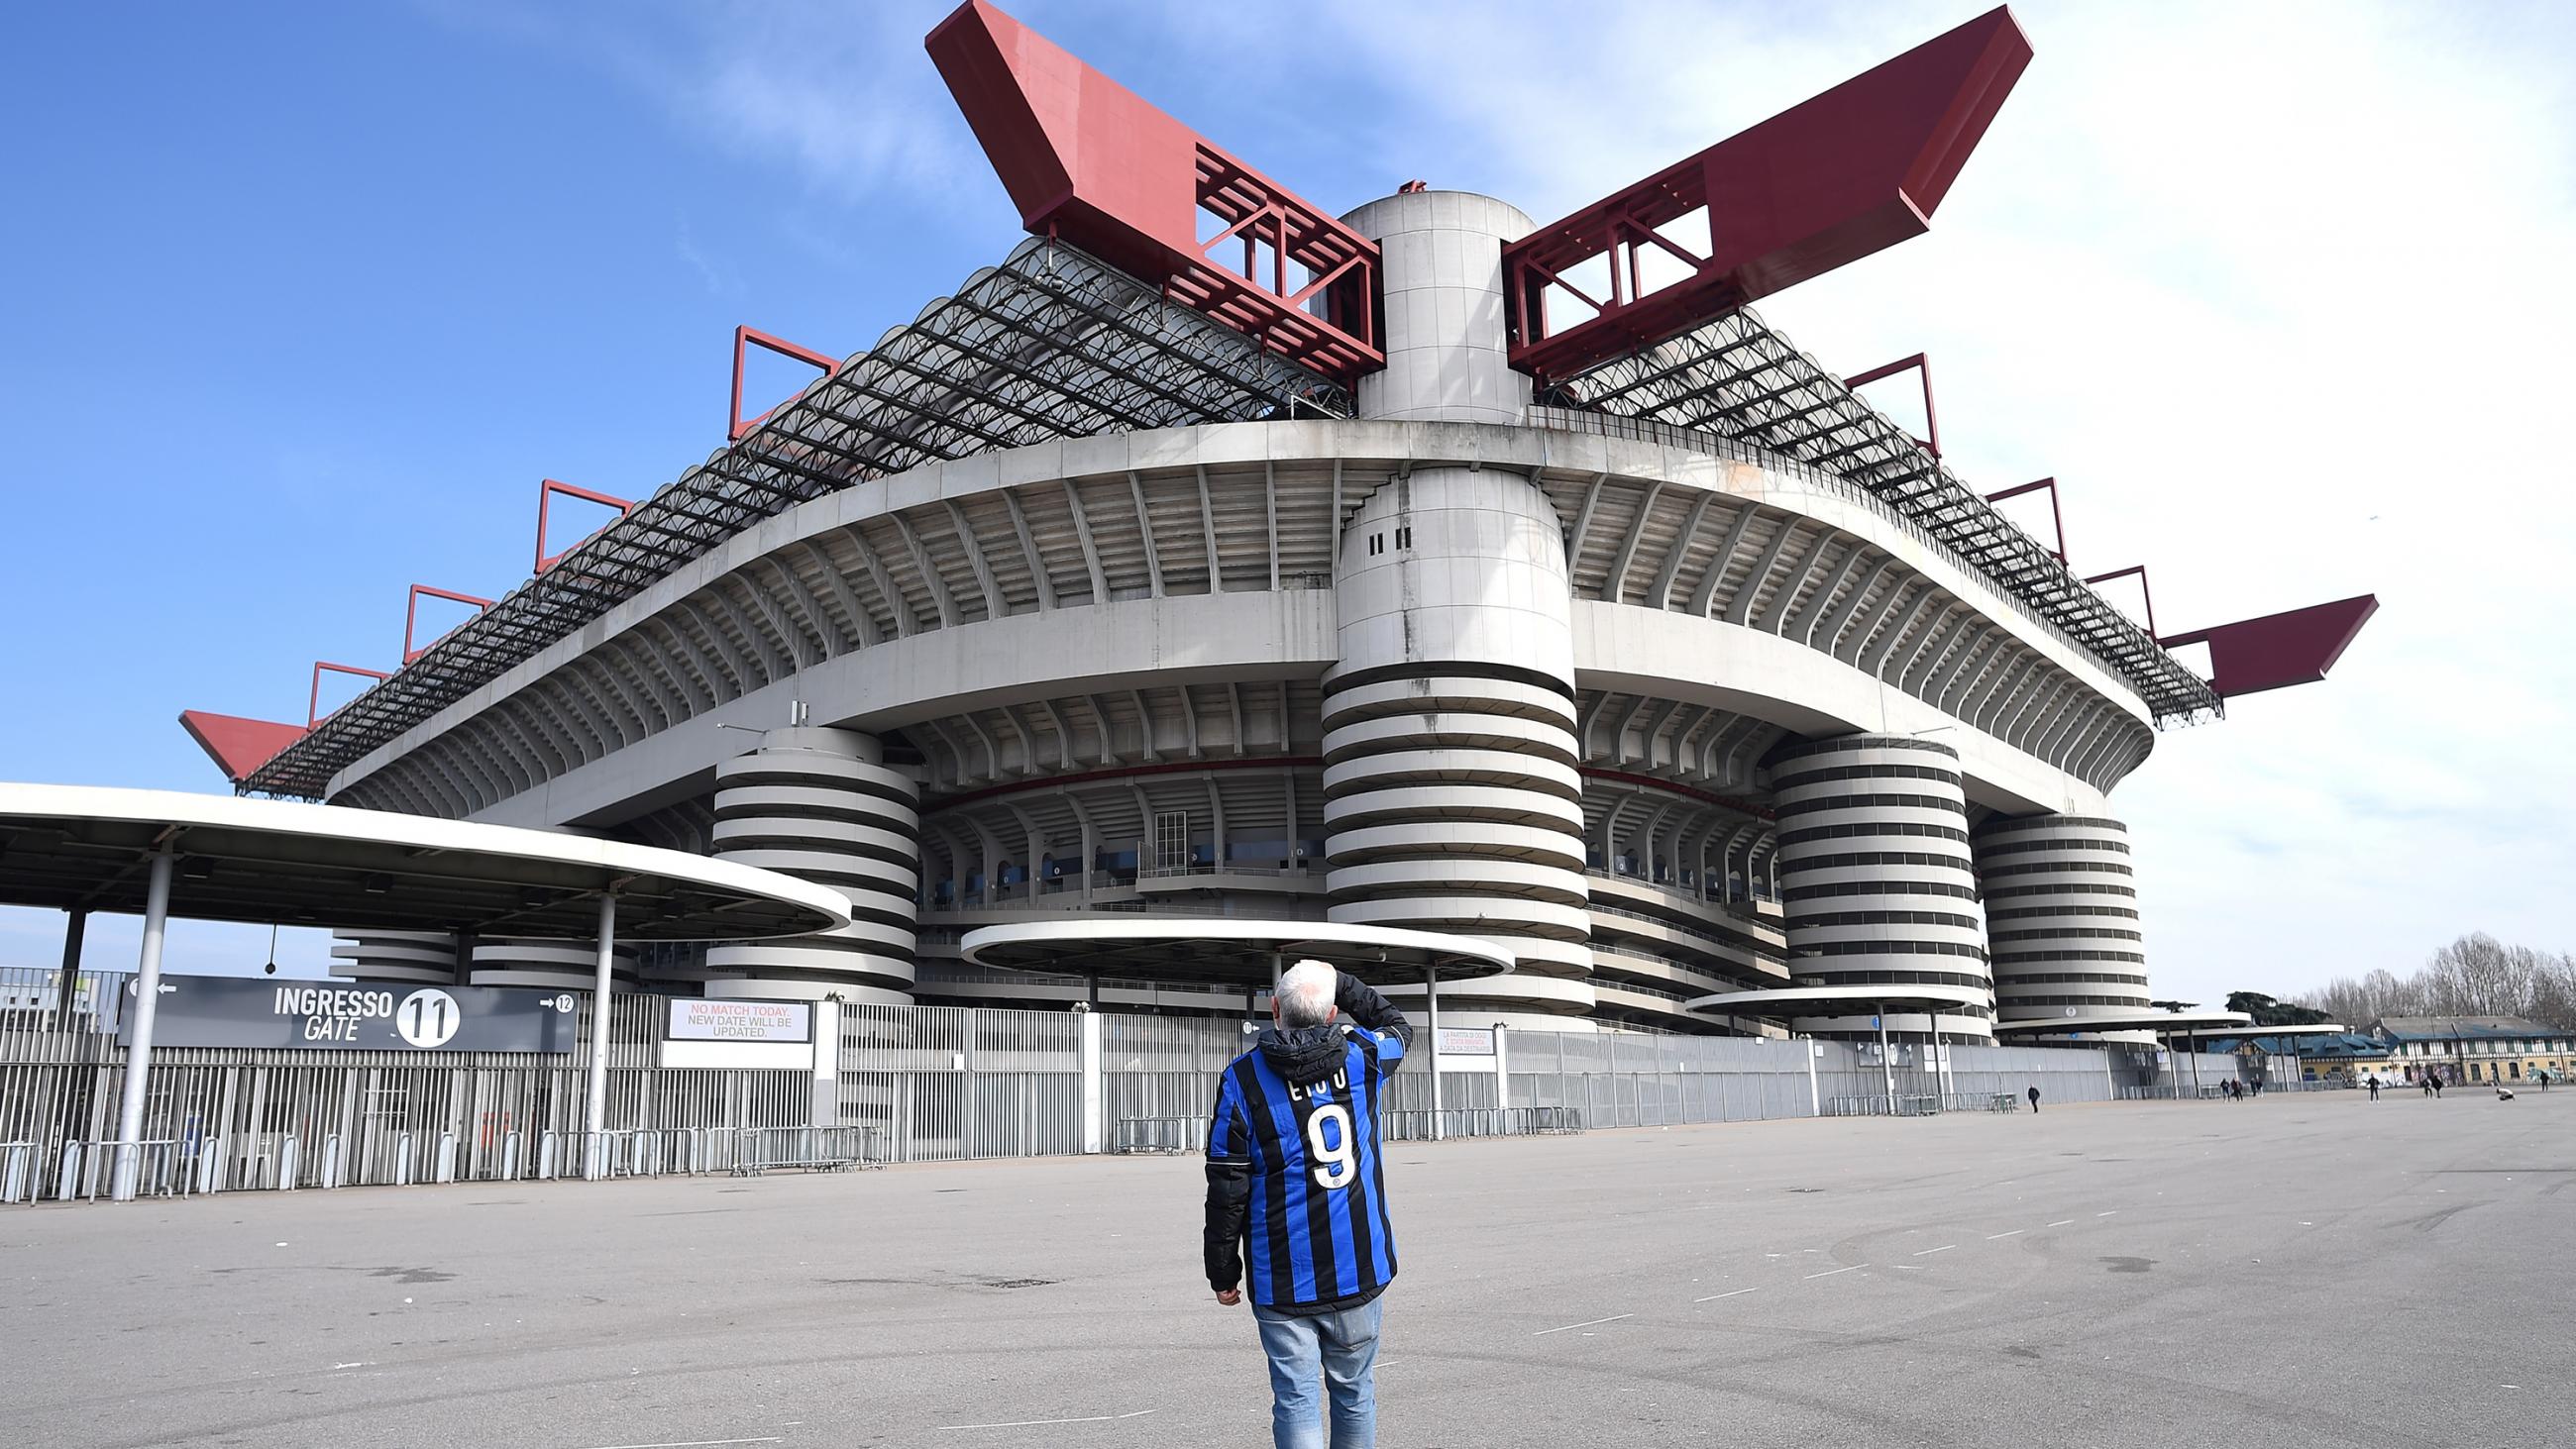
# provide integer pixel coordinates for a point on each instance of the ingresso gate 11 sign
(222, 1011)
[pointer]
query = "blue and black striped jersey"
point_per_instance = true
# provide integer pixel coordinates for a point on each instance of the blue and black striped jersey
(1295, 1177)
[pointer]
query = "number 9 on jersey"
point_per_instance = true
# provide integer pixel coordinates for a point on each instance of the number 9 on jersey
(1337, 1160)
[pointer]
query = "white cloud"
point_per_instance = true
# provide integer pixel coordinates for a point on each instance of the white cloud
(2281, 295)
(837, 95)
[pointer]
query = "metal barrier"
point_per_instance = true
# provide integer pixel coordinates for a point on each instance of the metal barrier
(1878, 1104)
(156, 1165)
(815, 1149)
(17, 1172)
(1415, 1126)
(1155, 1134)
(2161, 1092)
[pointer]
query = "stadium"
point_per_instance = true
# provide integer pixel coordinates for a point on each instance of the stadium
(1221, 556)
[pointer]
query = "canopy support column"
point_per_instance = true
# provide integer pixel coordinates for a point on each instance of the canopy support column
(597, 1163)
(75, 932)
(138, 1056)
(1431, 1014)
(1886, 1063)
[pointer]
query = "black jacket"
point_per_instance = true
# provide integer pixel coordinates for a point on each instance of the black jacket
(1302, 1056)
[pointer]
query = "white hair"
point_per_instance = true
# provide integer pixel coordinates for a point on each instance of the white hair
(1306, 992)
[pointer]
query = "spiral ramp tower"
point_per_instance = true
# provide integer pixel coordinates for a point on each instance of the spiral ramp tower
(426, 957)
(1451, 797)
(1877, 876)
(823, 805)
(2061, 904)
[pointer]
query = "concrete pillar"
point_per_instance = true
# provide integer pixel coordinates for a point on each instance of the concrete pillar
(1451, 798)
(1873, 861)
(1446, 343)
(1095, 1095)
(823, 805)
(2061, 903)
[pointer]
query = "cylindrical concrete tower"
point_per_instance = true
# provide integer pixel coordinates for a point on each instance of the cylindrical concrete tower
(1447, 350)
(428, 957)
(550, 965)
(823, 805)
(1451, 798)
(1876, 876)
(2062, 916)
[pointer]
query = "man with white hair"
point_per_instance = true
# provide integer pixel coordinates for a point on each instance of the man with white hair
(1294, 1176)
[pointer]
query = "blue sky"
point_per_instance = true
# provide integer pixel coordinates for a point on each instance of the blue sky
(306, 299)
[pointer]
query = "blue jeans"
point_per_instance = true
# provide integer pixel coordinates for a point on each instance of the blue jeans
(1335, 1352)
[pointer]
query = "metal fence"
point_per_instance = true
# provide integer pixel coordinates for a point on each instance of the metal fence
(913, 1084)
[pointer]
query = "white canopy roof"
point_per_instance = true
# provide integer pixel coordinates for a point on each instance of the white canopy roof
(1225, 951)
(89, 848)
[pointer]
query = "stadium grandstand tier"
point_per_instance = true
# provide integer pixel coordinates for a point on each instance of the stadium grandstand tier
(1338, 570)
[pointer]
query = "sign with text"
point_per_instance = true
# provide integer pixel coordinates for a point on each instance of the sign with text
(714, 1020)
(1466, 1041)
(223, 1011)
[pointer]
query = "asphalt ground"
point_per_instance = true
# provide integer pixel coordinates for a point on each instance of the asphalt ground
(2302, 1270)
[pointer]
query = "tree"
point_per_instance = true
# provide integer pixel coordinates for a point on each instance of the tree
(2268, 1012)
(2476, 975)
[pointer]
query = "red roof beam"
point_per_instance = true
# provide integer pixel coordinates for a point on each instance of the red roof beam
(313, 706)
(2054, 516)
(2143, 591)
(2279, 650)
(546, 491)
(1826, 182)
(1922, 367)
(411, 616)
(745, 338)
(1089, 161)
(238, 746)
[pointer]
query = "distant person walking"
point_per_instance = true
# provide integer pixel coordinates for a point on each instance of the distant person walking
(2374, 1086)
(1294, 1176)
(2034, 1099)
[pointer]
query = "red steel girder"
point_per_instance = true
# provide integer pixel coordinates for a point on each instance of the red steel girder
(1828, 181)
(2279, 650)
(238, 746)
(313, 706)
(2055, 515)
(2144, 592)
(411, 616)
(1922, 367)
(1090, 161)
(746, 338)
(546, 491)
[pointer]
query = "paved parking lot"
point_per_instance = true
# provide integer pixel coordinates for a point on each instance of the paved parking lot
(2306, 1270)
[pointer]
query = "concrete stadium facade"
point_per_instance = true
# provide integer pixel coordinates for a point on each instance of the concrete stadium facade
(1665, 714)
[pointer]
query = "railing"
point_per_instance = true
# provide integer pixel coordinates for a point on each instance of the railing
(1822, 480)
(815, 1149)
(1155, 1134)
(1878, 1104)
(1757, 949)
(2163, 1092)
(1736, 906)
(1402, 1126)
